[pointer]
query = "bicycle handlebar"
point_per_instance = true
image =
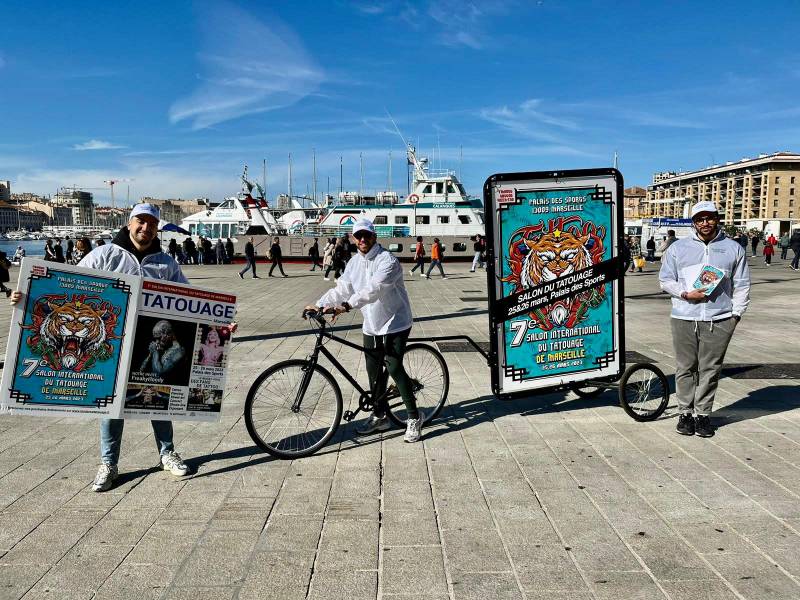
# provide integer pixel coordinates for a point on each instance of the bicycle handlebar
(317, 315)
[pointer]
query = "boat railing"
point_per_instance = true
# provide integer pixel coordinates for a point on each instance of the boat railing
(340, 230)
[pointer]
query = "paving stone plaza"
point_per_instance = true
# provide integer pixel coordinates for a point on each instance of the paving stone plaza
(550, 497)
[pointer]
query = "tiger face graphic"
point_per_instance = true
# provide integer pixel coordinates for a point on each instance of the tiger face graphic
(554, 255)
(72, 335)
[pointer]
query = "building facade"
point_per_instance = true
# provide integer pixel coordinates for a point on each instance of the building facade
(5, 190)
(14, 217)
(635, 203)
(765, 189)
(80, 204)
(175, 210)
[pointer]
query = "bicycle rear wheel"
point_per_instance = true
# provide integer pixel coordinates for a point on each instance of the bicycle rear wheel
(644, 392)
(430, 380)
(284, 427)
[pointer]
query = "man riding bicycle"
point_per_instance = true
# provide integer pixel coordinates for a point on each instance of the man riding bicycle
(373, 282)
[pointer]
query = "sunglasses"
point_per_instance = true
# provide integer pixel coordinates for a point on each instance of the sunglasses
(708, 219)
(361, 235)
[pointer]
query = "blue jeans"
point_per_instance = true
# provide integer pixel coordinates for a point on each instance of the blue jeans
(435, 263)
(111, 438)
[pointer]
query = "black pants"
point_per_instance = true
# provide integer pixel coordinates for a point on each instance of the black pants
(783, 253)
(768, 259)
(389, 350)
(420, 265)
(796, 258)
(336, 267)
(276, 262)
(315, 262)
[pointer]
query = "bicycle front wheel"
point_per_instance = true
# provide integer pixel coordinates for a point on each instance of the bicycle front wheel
(644, 392)
(430, 381)
(290, 422)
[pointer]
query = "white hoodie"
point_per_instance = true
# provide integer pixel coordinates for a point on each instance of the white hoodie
(373, 282)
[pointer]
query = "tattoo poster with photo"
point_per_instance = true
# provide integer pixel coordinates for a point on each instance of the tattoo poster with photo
(555, 304)
(67, 353)
(180, 353)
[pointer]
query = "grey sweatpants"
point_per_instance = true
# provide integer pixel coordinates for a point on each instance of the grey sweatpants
(700, 348)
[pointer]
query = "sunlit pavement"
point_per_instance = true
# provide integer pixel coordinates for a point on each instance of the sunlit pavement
(548, 497)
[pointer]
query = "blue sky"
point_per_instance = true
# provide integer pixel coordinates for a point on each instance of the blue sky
(178, 95)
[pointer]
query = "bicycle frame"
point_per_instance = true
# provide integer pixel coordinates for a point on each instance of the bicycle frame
(366, 399)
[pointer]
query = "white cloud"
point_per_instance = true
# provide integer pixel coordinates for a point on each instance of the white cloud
(96, 145)
(531, 121)
(248, 67)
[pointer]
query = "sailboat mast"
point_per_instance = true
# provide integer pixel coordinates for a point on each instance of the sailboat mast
(361, 174)
(314, 169)
(290, 177)
(389, 182)
(264, 177)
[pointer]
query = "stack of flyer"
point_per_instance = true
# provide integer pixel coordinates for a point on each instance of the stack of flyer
(708, 279)
(94, 343)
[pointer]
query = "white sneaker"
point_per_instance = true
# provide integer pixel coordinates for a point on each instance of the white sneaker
(413, 430)
(444, 276)
(421, 274)
(327, 278)
(173, 463)
(105, 477)
(411, 272)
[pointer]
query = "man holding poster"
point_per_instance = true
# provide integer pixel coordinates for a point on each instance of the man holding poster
(709, 280)
(136, 251)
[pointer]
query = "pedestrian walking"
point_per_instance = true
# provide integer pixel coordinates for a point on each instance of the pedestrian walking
(636, 254)
(206, 250)
(754, 241)
(626, 254)
(172, 249)
(313, 253)
(769, 250)
(228, 251)
(219, 250)
(419, 257)
(135, 251)
(651, 249)
(276, 256)
(784, 245)
(668, 241)
(346, 250)
(479, 248)
(49, 250)
(794, 244)
(437, 255)
(250, 257)
(327, 257)
(70, 249)
(373, 282)
(703, 324)
(59, 252)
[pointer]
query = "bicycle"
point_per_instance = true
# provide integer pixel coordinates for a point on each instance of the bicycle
(295, 406)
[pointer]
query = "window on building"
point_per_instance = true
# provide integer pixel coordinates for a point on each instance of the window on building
(464, 219)
(775, 202)
(398, 220)
(777, 180)
(791, 201)
(791, 191)
(423, 220)
(443, 219)
(791, 214)
(380, 220)
(395, 247)
(774, 214)
(459, 247)
(791, 180)
(777, 191)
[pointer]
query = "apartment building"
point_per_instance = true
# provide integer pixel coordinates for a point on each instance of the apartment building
(760, 192)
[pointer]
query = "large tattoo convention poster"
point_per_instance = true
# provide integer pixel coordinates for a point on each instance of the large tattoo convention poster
(66, 349)
(556, 311)
(91, 343)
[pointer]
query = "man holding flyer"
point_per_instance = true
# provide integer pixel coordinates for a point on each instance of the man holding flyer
(135, 251)
(709, 281)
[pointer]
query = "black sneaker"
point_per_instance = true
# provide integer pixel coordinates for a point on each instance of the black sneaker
(685, 425)
(703, 427)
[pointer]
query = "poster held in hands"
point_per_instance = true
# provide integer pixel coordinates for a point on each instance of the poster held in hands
(92, 343)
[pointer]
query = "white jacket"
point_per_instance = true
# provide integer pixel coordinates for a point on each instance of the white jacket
(373, 282)
(111, 257)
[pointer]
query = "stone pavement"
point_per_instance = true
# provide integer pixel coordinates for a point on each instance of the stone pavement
(549, 497)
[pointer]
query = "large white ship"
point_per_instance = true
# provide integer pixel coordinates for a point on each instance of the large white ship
(438, 206)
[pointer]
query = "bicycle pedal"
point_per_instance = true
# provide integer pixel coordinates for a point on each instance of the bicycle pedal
(349, 415)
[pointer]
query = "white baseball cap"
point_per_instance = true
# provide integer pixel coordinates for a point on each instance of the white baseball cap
(363, 225)
(146, 209)
(706, 206)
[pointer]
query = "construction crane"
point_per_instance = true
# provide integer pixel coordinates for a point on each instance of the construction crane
(111, 183)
